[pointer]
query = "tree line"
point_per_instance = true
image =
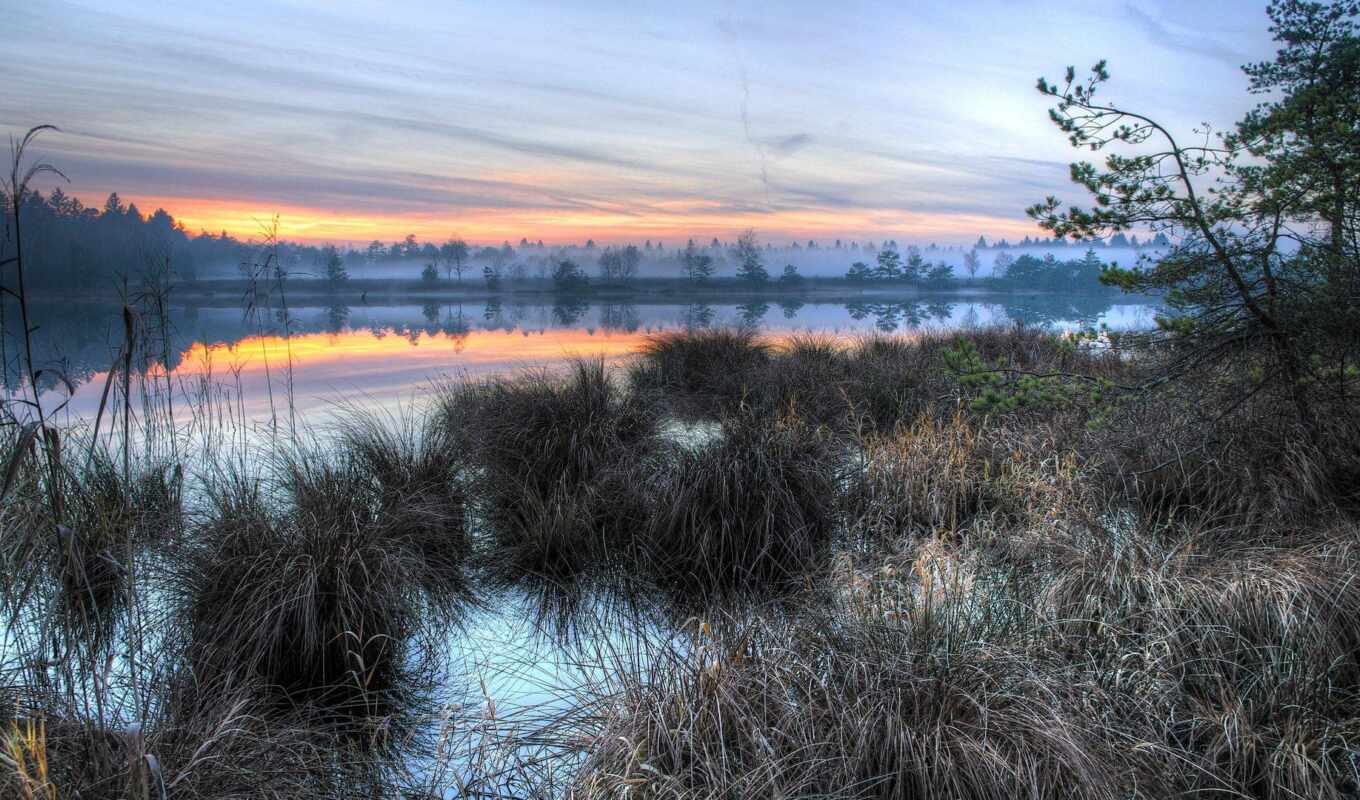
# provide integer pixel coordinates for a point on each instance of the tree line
(73, 246)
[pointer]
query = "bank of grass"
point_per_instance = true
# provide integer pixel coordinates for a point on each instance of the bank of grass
(1063, 597)
(870, 383)
(1013, 636)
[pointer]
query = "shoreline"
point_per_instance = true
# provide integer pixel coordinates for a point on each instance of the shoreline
(648, 292)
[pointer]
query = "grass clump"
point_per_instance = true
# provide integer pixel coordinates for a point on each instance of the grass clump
(307, 594)
(949, 477)
(413, 477)
(702, 369)
(865, 385)
(192, 743)
(556, 459)
(70, 532)
(752, 509)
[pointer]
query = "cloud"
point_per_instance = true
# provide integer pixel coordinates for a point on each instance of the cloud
(785, 146)
(575, 112)
(301, 184)
(1197, 41)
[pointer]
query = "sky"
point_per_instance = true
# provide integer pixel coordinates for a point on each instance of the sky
(615, 121)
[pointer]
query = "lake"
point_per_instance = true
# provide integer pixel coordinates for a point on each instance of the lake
(385, 354)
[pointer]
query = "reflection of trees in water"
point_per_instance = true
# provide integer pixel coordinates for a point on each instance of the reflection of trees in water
(891, 316)
(1084, 309)
(284, 323)
(567, 310)
(753, 313)
(888, 317)
(430, 311)
(337, 317)
(492, 310)
(72, 342)
(939, 310)
(457, 329)
(439, 320)
(620, 317)
(76, 342)
(698, 315)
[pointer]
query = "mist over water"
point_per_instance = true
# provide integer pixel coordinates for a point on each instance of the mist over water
(812, 259)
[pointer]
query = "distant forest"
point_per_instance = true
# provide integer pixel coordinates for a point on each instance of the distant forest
(68, 245)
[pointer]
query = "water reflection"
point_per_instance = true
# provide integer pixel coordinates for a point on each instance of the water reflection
(388, 353)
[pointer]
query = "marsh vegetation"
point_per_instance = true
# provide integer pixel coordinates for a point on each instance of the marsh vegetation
(995, 561)
(858, 580)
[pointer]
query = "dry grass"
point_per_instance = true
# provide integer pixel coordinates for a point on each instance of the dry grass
(949, 476)
(822, 708)
(1201, 448)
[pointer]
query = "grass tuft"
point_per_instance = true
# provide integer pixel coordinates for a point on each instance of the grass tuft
(753, 509)
(555, 457)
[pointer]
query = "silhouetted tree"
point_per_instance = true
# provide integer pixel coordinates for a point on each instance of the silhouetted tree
(491, 274)
(939, 275)
(889, 266)
(971, 262)
(698, 265)
(620, 264)
(1266, 264)
(750, 264)
(859, 272)
(455, 255)
(567, 276)
(336, 274)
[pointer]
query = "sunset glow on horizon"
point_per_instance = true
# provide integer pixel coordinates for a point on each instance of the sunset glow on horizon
(575, 121)
(246, 220)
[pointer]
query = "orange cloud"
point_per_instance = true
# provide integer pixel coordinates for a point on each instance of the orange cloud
(672, 221)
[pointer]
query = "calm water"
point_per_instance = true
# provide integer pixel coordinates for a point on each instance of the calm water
(388, 355)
